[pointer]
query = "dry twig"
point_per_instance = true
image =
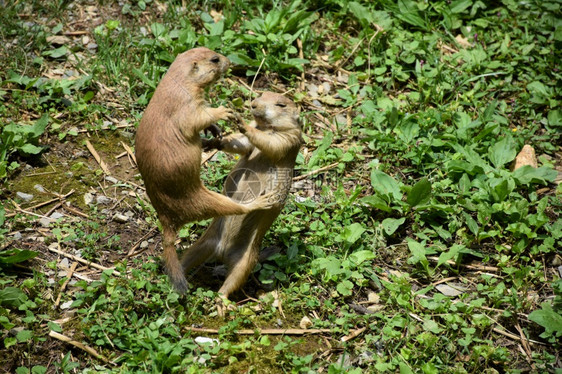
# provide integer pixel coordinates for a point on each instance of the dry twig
(97, 157)
(83, 261)
(353, 334)
(68, 277)
(313, 172)
(83, 347)
(263, 331)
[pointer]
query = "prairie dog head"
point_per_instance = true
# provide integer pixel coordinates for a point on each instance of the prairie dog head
(199, 66)
(275, 111)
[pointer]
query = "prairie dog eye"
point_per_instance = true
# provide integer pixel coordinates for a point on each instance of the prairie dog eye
(215, 59)
(281, 105)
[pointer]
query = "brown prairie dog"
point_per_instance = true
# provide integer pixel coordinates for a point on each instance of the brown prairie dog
(168, 151)
(269, 146)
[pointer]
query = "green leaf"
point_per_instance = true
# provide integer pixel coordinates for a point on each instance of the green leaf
(539, 92)
(54, 326)
(420, 193)
(385, 185)
(390, 225)
(555, 118)
(8, 342)
(344, 287)
(30, 149)
(362, 13)
(408, 11)
(464, 166)
(450, 254)
(471, 223)
(144, 78)
(24, 335)
(377, 203)
(15, 255)
(502, 152)
(529, 175)
(39, 126)
(353, 232)
(12, 297)
(459, 6)
(38, 369)
(56, 53)
(405, 369)
(432, 326)
(418, 251)
(547, 318)
(361, 256)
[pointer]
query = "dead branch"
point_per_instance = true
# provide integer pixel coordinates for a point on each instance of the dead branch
(97, 157)
(263, 331)
(83, 261)
(68, 277)
(79, 345)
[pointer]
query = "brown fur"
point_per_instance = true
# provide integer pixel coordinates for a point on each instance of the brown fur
(269, 147)
(168, 151)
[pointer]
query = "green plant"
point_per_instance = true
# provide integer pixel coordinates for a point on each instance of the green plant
(22, 139)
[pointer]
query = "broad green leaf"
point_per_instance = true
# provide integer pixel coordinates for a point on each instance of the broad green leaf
(418, 252)
(555, 117)
(39, 127)
(385, 185)
(242, 59)
(38, 369)
(459, 6)
(8, 342)
(12, 297)
(538, 89)
(24, 335)
(432, 326)
(464, 166)
(547, 318)
(420, 193)
(30, 149)
(331, 264)
(500, 188)
(464, 184)
(405, 369)
(158, 29)
(361, 256)
(471, 223)
(450, 254)
(377, 203)
(56, 53)
(15, 255)
(408, 11)
(353, 232)
(390, 225)
(54, 326)
(344, 287)
(502, 152)
(558, 33)
(407, 131)
(529, 175)
(489, 111)
(362, 13)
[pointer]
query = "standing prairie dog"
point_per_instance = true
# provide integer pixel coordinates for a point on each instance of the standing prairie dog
(269, 146)
(168, 151)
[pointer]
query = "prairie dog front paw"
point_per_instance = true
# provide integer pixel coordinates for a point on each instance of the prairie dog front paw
(223, 113)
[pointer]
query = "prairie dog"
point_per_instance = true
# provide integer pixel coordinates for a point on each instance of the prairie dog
(269, 147)
(168, 151)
